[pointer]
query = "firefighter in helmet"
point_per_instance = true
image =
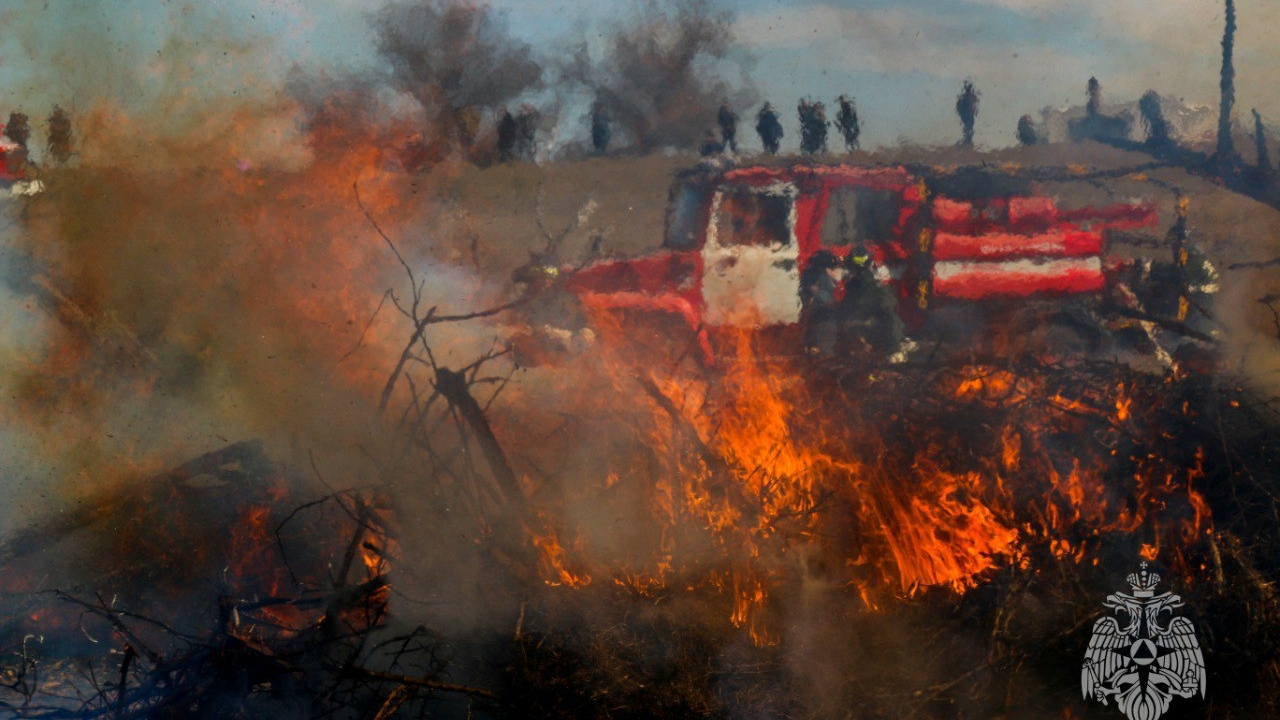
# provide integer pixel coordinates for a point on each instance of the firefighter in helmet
(819, 288)
(554, 321)
(868, 313)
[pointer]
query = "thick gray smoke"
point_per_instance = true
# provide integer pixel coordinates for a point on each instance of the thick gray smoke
(658, 75)
(457, 59)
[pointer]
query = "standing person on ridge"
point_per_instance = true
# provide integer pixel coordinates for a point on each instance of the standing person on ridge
(728, 128)
(769, 128)
(847, 123)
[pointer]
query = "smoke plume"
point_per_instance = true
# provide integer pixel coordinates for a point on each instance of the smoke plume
(457, 60)
(658, 77)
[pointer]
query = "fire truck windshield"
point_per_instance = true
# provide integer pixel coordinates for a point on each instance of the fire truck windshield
(687, 216)
(752, 217)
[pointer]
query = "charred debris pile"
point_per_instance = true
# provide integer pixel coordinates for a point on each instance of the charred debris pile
(929, 540)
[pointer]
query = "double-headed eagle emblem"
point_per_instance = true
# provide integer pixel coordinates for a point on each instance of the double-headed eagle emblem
(1142, 655)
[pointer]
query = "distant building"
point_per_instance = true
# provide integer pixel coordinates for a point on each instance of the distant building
(1189, 124)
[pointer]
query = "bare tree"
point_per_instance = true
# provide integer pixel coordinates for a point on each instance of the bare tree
(601, 128)
(1225, 156)
(1094, 89)
(18, 129)
(456, 59)
(654, 82)
(848, 123)
(769, 128)
(813, 127)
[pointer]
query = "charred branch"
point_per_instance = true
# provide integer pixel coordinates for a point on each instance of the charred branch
(1167, 323)
(720, 468)
(454, 387)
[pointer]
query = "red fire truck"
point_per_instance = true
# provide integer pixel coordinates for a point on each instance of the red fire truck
(13, 170)
(737, 242)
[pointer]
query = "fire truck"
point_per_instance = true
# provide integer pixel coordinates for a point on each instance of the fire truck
(737, 242)
(13, 170)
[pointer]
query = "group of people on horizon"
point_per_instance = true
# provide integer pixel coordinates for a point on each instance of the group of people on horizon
(813, 128)
(515, 133)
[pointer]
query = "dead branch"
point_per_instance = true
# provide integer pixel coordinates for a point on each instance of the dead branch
(1166, 323)
(1254, 264)
(453, 386)
(1269, 301)
(428, 683)
(368, 324)
(719, 467)
(398, 697)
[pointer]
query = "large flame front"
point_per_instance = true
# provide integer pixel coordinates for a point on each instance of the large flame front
(897, 481)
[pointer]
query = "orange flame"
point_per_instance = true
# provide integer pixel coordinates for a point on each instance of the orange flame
(767, 472)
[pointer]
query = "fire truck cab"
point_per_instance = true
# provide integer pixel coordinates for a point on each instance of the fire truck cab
(737, 242)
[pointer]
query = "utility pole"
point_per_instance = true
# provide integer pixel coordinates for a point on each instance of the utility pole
(1224, 158)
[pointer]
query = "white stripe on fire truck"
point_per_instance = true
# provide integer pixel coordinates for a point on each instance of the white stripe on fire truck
(1037, 267)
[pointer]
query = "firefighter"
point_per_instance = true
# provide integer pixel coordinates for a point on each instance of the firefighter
(711, 145)
(601, 128)
(868, 313)
(769, 128)
(554, 320)
(728, 128)
(819, 286)
(847, 123)
(1182, 288)
(508, 132)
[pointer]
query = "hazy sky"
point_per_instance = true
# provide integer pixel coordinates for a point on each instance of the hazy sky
(904, 60)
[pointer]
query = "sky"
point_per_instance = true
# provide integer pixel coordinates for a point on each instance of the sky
(903, 60)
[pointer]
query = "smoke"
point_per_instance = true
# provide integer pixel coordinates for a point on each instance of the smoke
(658, 78)
(202, 271)
(659, 74)
(456, 59)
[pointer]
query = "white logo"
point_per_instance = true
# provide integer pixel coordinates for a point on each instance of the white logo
(1137, 660)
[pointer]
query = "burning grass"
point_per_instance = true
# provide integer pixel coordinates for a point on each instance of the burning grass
(770, 535)
(975, 514)
(907, 480)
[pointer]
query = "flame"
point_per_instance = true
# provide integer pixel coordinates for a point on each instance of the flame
(941, 535)
(752, 459)
(1123, 404)
(553, 563)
